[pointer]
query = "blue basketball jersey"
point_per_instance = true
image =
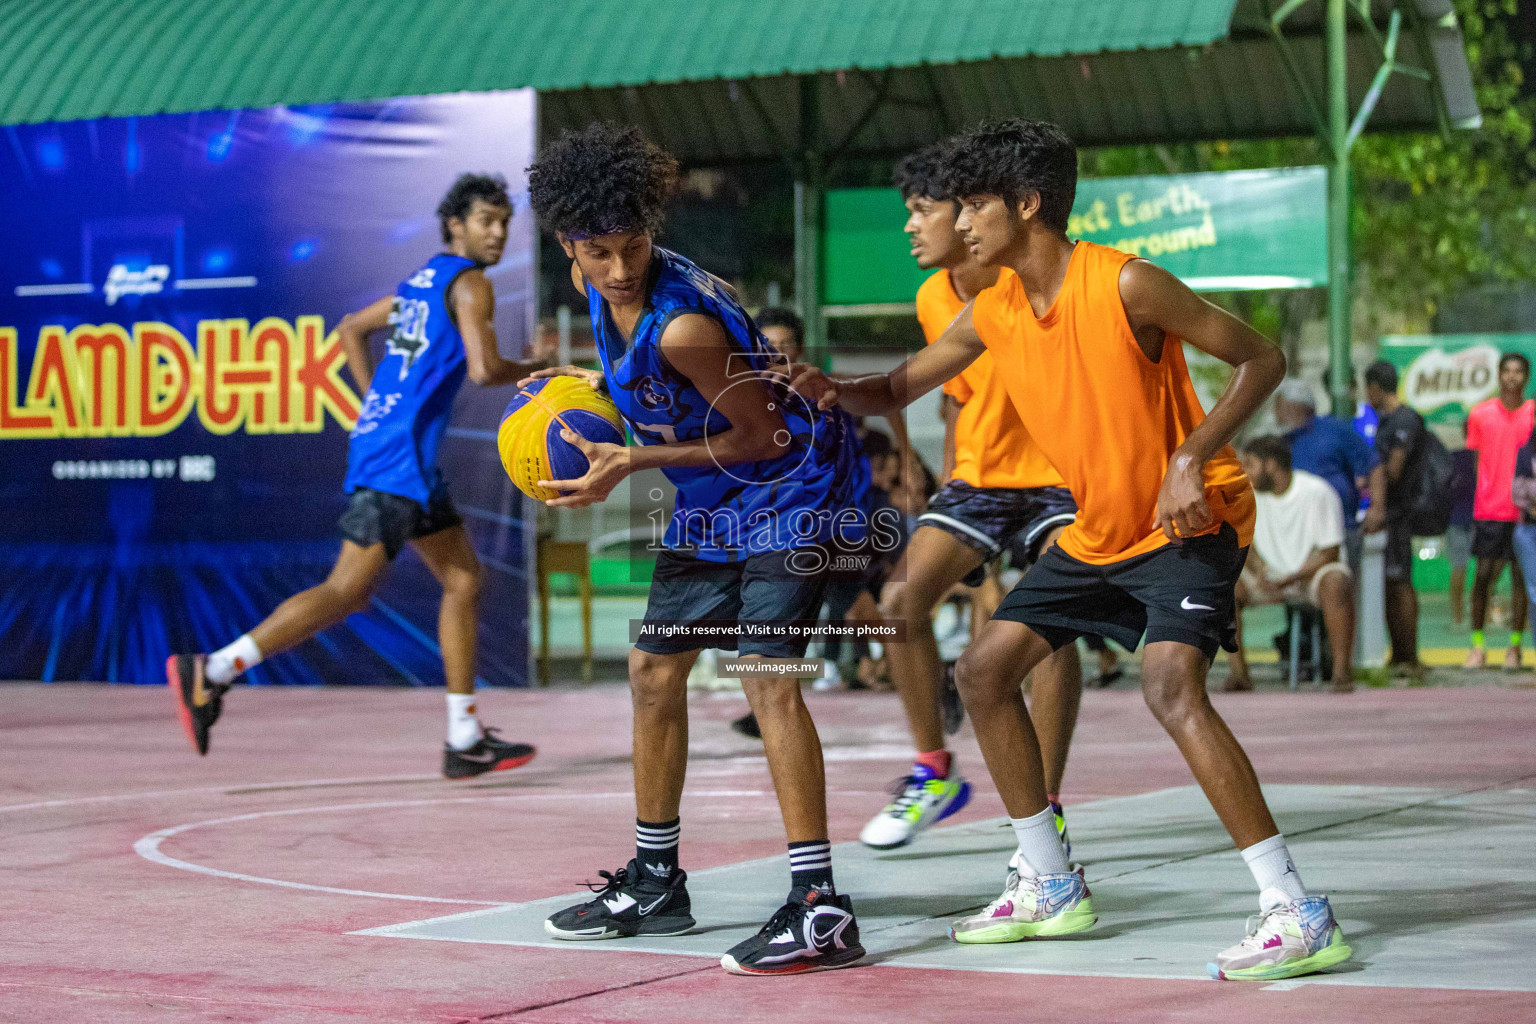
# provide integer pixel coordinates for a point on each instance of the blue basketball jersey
(394, 445)
(725, 513)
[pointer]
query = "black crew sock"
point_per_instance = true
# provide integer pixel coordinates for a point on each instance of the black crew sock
(656, 848)
(810, 864)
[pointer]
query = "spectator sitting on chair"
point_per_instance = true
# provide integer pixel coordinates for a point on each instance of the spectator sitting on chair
(1296, 556)
(1330, 448)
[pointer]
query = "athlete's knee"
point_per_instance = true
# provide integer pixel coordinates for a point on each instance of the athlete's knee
(773, 699)
(1174, 693)
(464, 582)
(347, 596)
(980, 679)
(908, 600)
(654, 679)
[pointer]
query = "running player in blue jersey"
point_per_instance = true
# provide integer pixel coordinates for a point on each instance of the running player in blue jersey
(764, 487)
(441, 317)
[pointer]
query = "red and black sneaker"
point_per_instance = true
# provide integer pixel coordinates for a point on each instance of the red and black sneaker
(490, 754)
(198, 702)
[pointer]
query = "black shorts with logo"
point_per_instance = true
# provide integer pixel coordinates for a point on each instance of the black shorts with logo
(1181, 592)
(991, 519)
(771, 586)
(374, 517)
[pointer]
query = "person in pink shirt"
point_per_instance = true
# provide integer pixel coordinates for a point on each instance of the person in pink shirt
(1496, 430)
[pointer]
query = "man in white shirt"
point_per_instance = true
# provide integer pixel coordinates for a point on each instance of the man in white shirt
(1297, 554)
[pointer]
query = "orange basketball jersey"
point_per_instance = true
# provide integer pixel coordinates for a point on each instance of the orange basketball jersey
(1104, 414)
(992, 448)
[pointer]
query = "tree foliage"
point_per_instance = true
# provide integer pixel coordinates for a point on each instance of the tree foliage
(1431, 216)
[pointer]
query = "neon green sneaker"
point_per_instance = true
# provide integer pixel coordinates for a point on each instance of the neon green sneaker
(922, 798)
(1299, 937)
(1031, 908)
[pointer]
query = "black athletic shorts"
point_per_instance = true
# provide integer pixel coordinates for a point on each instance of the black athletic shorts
(1181, 592)
(1493, 539)
(773, 586)
(374, 517)
(990, 519)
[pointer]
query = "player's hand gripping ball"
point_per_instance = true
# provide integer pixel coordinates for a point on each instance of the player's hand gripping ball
(529, 437)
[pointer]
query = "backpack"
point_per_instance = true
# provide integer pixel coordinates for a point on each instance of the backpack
(1430, 512)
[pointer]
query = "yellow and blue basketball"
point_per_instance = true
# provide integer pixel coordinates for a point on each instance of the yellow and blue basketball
(529, 436)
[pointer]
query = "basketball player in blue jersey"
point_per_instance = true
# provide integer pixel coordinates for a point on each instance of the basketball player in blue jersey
(763, 483)
(441, 317)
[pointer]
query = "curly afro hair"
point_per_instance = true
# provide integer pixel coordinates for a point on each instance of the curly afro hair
(599, 180)
(922, 173)
(1012, 159)
(489, 188)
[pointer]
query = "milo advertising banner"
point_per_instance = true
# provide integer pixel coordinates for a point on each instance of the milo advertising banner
(1442, 376)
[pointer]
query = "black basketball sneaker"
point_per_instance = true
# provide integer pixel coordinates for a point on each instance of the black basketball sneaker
(198, 702)
(627, 904)
(813, 931)
(490, 754)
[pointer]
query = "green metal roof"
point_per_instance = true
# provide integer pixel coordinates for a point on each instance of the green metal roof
(720, 81)
(69, 59)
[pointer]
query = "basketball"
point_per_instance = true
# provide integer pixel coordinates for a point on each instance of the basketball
(529, 436)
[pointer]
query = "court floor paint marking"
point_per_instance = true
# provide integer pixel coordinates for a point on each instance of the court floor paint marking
(1431, 886)
(149, 846)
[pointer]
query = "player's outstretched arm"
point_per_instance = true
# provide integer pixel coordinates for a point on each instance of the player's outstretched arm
(1157, 304)
(882, 393)
(474, 306)
(353, 333)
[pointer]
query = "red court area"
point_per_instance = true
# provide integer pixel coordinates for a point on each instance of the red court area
(139, 882)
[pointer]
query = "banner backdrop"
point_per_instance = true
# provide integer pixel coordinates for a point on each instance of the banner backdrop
(1442, 376)
(1218, 231)
(174, 404)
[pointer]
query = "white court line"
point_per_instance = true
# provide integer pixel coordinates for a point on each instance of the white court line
(149, 846)
(254, 787)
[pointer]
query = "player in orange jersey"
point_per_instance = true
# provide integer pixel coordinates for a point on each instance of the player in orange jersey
(1088, 341)
(999, 491)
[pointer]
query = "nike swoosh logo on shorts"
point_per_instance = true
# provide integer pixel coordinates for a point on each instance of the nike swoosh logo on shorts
(1185, 604)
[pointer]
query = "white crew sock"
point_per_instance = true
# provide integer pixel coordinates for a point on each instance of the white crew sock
(227, 662)
(1279, 881)
(463, 727)
(1040, 851)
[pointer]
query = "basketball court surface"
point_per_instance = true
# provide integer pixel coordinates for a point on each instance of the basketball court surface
(314, 868)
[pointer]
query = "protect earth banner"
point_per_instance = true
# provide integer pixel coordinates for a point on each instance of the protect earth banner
(175, 406)
(1219, 231)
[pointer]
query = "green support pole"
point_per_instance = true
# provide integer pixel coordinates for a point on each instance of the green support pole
(1340, 369)
(809, 189)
